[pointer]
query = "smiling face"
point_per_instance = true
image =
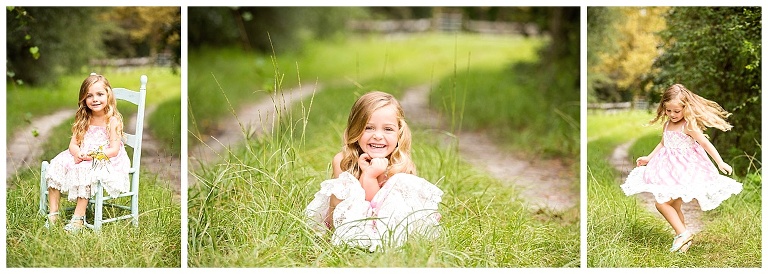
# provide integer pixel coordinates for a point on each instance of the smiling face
(674, 110)
(380, 135)
(96, 98)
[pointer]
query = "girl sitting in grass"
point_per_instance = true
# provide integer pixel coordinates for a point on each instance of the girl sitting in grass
(96, 153)
(678, 169)
(374, 198)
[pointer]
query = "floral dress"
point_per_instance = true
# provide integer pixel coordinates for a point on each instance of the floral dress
(681, 169)
(405, 206)
(79, 179)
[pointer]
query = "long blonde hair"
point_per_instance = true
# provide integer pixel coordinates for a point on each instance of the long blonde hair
(400, 159)
(700, 112)
(83, 115)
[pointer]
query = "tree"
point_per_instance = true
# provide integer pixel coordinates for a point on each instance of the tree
(716, 53)
(621, 61)
(59, 34)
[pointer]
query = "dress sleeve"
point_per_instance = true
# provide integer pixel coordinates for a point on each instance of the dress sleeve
(344, 187)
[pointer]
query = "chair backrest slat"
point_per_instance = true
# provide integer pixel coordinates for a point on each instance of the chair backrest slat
(137, 98)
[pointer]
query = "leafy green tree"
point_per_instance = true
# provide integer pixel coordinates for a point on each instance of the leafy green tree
(63, 37)
(45, 42)
(716, 53)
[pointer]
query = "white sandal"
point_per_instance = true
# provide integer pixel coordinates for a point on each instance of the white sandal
(74, 225)
(49, 221)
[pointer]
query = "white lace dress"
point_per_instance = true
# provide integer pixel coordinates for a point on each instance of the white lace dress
(406, 205)
(79, 179)
(681, 169)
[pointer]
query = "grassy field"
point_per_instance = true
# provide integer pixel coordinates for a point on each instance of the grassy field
(622, 233)
(246, 210)
(157, 240)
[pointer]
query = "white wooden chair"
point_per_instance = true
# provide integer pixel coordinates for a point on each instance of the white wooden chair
(99, 200)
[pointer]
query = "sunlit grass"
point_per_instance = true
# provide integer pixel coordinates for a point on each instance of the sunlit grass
(246, 210)
(156, 242)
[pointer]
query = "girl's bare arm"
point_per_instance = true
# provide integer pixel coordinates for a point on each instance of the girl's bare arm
(710, 149)
(114, 139)
(336, 164)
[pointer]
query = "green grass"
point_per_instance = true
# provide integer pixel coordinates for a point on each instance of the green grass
(156, 242)
(246, 211)
(511, 104)
(622, 233)
(165, 123)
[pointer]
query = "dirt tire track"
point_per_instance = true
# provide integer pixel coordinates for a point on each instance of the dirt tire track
(621, 162)
(544, 184)
(23, 149)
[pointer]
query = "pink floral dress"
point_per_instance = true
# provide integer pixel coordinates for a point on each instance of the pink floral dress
(405, 206)
(681, 169)
(79, 179)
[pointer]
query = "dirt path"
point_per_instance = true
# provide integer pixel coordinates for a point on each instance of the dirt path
(251, 120)
(620, 161)
(24, 149)
(543, 184)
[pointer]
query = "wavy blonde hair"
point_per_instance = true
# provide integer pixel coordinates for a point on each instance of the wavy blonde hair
(84, 114)
(400, 159)
(700, 112)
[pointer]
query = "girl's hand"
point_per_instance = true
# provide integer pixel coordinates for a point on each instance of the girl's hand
(372, 167)
(79, 157)
(725, 168)
(643, 161)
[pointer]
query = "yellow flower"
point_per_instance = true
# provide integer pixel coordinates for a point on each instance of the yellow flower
(100, 159)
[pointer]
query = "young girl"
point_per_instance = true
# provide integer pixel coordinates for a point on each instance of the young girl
(375, 199)
(678, 170)
(96, 132)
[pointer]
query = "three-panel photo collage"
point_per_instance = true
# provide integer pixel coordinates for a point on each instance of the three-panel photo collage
(335, 138)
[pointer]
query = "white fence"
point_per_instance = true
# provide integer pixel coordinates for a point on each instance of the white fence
(619, 106)
(162, 60)
(444, 23)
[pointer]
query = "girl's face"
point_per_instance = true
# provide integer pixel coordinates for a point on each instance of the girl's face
(674, 110)
(380, 135)
(96, 98)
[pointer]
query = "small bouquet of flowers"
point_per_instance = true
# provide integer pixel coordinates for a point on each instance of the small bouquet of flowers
(100, 159)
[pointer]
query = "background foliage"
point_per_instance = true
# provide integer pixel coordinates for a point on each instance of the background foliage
(42, 44)
(636, 53)
(716, 53)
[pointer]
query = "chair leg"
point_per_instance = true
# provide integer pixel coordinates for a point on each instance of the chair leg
(135, 208)
(43, 210)
(97, 211)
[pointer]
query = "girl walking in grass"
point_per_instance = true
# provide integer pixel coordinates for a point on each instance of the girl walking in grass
(678, 170)
(374, 198)
(96, 153)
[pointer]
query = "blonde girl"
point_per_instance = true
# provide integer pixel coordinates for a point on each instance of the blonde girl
(678, 169)
(374, 198)
(96, 131)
